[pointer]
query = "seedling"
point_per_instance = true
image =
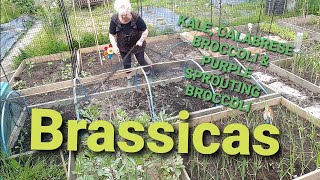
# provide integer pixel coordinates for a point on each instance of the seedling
(91, 112)
(66, 72)
(19, 85)
(30, 66)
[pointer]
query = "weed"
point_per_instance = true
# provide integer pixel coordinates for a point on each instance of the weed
(66, 72)
(30, 167)
(30, 65)
(91, 112)
(19, 85)
(84, 74)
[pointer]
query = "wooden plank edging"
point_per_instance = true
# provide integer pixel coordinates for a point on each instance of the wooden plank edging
(273, 67)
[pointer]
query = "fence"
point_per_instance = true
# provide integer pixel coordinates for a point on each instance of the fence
(44, 31)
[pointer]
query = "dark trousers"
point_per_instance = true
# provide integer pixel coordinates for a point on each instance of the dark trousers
(140, 58)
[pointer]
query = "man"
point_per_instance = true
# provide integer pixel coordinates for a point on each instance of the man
(128, 30)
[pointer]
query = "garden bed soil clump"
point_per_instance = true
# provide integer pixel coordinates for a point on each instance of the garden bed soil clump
(297, 154)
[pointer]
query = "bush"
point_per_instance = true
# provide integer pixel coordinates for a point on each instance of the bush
(27, 6)
(47, 44)
(42, 45)
(89, 39)
(12, 9)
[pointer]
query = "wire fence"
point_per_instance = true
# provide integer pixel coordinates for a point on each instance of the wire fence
(44, 30)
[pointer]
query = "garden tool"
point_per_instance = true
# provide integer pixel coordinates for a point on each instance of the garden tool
(116, 67)
(268, 115)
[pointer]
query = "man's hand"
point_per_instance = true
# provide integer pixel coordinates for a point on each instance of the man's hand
(139, 43)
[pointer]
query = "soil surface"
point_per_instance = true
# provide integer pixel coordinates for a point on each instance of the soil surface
(53, 71)
(171, 50)
(293, 141)
(170, 98)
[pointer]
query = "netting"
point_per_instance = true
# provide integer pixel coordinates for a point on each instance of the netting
(43, 31)
(12, 109)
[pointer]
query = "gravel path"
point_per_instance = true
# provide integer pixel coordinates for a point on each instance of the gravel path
(20, 45)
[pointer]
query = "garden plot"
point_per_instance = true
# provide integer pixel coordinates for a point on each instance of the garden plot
(306, 66)
(277, 34)
(168, 97)
(55, 70)
(298, 140)
(175, 99)
(171, 49)
(161, 72)
(309, 24)
(303, 70)
(288, 87)
(47, 70)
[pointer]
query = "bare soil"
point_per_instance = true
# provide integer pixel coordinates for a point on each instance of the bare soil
(51, 72)
(169, 98)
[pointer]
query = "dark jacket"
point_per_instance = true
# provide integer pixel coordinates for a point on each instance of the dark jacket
(126, 42)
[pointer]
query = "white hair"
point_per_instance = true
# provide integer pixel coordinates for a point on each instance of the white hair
(122, 6)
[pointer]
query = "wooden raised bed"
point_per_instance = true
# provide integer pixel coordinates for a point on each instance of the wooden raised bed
(293, 23)
(68, 83)
(275, 67)
(219, 117)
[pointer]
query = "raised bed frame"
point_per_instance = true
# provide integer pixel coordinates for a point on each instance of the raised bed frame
(275, 67)
(206, 115)
(284, 22)
(68, 83)
(99, 78)
(69, 101)
(215, 114)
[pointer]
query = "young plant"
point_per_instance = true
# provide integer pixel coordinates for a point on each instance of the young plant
(172, 167)
(91, 112)
(19, 85)
(30, 66)
(84, 74)
(66, 72)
